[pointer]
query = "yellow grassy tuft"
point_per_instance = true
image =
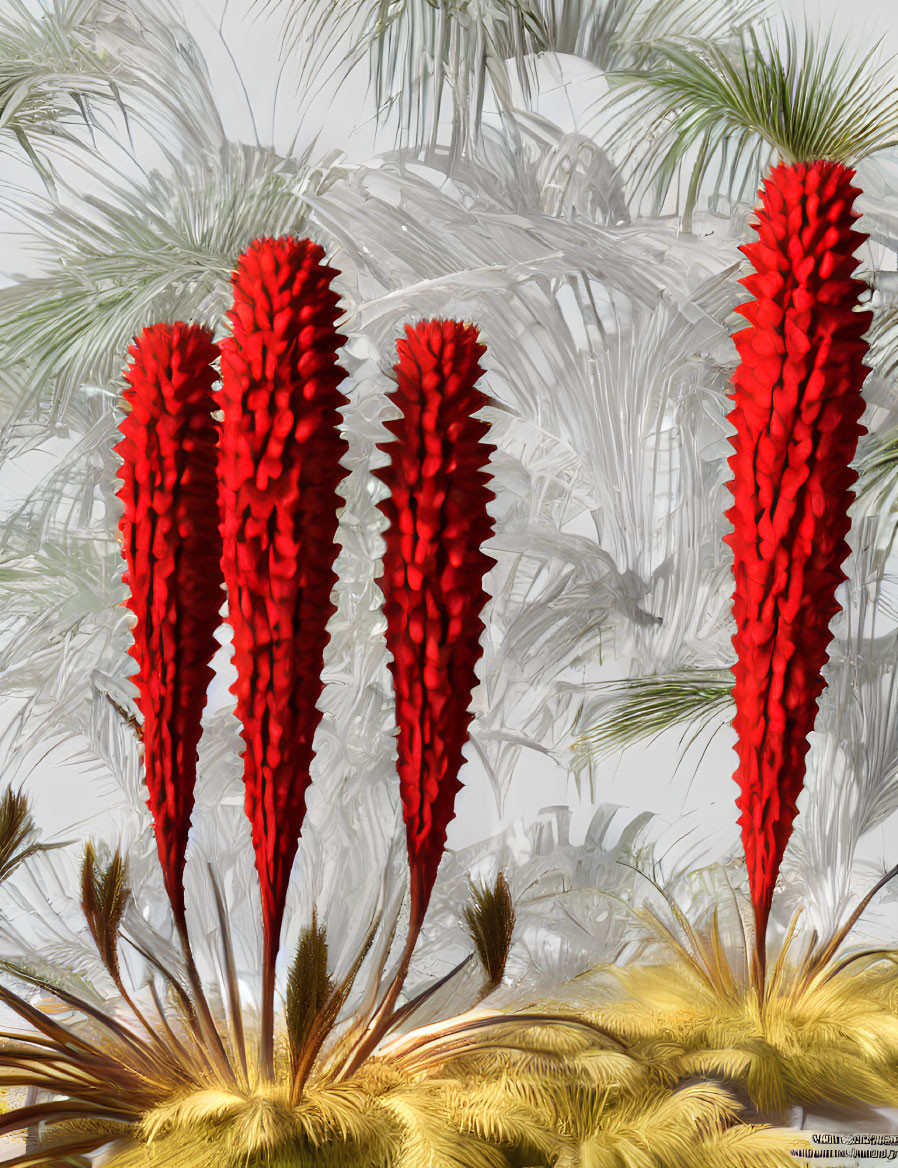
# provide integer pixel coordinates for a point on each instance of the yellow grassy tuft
(821, 1035)
(602, 1108)
(183, 1085)
(335, 1126)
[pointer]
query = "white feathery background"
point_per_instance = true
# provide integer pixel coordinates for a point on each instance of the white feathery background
(557, 469)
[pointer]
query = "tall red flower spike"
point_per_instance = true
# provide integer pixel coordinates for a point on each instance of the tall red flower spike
(432, 576)
(172, 546)
(280, 467)
(797, 405)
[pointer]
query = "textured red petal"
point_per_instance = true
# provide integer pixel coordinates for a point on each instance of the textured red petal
(280, 467)
(797, 406)
(433, 570)
(172, 546)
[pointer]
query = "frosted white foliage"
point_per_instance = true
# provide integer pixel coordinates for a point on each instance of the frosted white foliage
(607, 368)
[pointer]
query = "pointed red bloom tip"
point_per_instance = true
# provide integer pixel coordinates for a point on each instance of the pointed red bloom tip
(797, 406)
(172, 547)
(279, 468)
(432, 575)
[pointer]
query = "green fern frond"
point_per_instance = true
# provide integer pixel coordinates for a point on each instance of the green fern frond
(641, 708)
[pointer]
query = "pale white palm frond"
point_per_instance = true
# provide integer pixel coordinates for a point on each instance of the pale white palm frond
(619, 34)
(504, 271)
(648, 414)
(52, 76)
(161, 250)
(852, 769)
(165, 81)
(624, 458)
(76, 75)
(409, 244)
(63, 630)
(452, 60)
(531, 166)
(423, 56)
(877, 491)
(657, 434)
(878, 203)
(408, 241)
(570, 901)
(877, 454)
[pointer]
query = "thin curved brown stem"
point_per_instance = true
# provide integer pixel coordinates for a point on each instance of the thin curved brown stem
(383, 1016)
(828, 950)
(204, 1015)
(234, 1007)
(759, 959)
(268, 987)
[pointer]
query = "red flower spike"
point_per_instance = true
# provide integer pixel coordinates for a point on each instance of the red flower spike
(432, 576)
(172, 546)
(797, 406)
(279, 469)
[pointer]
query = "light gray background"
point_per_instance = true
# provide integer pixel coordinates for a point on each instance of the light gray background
(242, 52)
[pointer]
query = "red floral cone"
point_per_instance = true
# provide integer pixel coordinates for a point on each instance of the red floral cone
(432, 576)
(172, 546)
(280, 467)
(797, 405)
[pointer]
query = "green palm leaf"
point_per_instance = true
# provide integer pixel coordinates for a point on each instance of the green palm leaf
(641, 708)
(702, 104)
